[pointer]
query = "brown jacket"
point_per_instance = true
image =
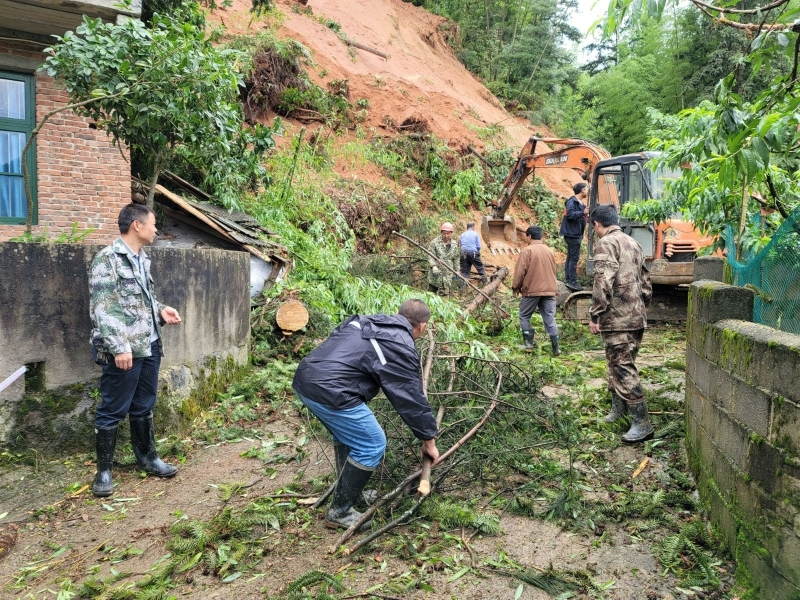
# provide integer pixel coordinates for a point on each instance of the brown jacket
(622, 288)
(535, 273)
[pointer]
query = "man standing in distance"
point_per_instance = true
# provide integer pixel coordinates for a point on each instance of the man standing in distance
(363, 355)
(448, 252)
(620, 296)
(126, 343)
(535, 281)
(470, 243)
(573, 224)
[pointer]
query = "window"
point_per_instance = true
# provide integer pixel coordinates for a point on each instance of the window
(17, 120)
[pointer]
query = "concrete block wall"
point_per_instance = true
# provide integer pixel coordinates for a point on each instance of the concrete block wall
(82, 177)
(743, 434)
(44, 321)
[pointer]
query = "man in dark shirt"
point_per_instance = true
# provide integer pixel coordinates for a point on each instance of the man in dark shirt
(573, 224)
(363, 355)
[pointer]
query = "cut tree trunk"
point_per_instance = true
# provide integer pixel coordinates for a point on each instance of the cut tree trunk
(488, 290)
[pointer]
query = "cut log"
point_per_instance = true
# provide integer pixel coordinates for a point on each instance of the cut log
(291, 316)
(487, 290)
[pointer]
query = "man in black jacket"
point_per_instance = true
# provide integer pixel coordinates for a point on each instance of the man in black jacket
(573, 224)
(363, 355)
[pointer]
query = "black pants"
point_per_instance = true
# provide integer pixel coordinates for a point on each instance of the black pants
(573, 254)
(470, 259)
(128, 392)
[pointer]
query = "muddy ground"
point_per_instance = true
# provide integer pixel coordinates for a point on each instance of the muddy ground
(65, 535)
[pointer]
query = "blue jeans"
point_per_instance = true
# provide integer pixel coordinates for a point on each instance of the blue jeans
(127, 392)
(357, 428)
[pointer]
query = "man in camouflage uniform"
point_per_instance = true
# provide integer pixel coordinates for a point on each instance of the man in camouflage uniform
(449, 252)
(620, 296)
(126, 343)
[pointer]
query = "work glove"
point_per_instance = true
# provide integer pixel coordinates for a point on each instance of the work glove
(435, 270)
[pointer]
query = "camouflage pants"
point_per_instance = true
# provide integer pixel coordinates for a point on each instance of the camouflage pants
(623, 376)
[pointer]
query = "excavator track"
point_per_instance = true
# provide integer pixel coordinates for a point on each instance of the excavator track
(669, 305)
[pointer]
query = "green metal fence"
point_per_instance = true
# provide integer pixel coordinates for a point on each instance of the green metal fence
(774, 275)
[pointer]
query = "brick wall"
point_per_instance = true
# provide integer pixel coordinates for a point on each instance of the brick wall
(743, 435)
(82, 177)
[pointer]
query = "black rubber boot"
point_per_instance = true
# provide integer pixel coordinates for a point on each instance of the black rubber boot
(641, 428)
(484, 280)
(618, 409)
(105, 441)
(341, 452)
(353, 479)
(144, 448)
(527, 339)
(554, 343)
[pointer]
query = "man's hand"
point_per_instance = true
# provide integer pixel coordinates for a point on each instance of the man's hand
(170, 316)
(586, 210)
(594, 327)
(435, 270)
(124, 361)
(429, 448)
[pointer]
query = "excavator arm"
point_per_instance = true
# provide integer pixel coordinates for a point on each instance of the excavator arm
(498, 229)
(578, 155)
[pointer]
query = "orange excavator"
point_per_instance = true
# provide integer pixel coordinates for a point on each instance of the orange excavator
(669, 247)
(498, 229)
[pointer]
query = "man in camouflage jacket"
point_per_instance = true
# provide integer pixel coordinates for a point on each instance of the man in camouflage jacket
(620, 296)
(449, 252)
(126, 343)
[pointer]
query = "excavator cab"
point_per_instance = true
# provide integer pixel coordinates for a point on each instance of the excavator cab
(669, 248)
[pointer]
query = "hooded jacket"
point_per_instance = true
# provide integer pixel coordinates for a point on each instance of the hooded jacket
(363, 355)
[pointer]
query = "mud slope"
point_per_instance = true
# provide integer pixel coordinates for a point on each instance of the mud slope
(422, 80)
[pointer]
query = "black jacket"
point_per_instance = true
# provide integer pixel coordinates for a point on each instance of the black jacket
(574, 221)
(365, 354)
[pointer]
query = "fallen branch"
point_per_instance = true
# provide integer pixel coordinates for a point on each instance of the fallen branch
(360, 46)
(491, 288)
(453, 271)
(427, 462)
(367, 515)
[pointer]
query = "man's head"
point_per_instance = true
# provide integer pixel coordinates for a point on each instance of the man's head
(603, 217)
(447, 232)
(533, 233)
(470, 225)
(580, 189)
(137, 223)
(417, 313)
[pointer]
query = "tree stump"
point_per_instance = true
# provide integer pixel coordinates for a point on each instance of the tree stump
(291, 316)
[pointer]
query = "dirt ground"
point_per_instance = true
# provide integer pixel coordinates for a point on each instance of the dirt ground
(65, 535)
(421, 80)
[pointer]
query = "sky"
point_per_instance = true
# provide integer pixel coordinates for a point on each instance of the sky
(588, 12)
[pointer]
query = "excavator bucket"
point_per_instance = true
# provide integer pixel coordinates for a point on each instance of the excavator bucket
(500, 235)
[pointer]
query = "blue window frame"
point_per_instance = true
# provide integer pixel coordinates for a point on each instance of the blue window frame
(17, 120)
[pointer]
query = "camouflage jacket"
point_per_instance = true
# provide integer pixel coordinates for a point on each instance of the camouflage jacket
(122, 306)
(622, 288)
(450, 257)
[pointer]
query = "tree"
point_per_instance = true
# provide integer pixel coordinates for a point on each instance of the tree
(165, 91)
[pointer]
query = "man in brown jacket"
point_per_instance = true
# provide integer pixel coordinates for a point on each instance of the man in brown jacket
(535, 281)
(621, 293)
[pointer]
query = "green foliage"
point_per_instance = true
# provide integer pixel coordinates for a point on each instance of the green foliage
(453, 514)
(687, 554)
(167, 92)
(734, 148)
(519, 49)
(300, 588)
(75, 235)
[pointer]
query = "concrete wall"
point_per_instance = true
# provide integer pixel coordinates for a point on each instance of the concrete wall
(44, 320)
(743, 434)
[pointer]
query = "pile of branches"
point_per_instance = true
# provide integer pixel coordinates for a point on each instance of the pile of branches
(478, 403)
